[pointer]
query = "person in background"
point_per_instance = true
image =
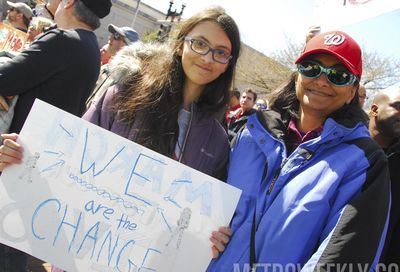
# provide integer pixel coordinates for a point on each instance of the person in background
(36, 27)
(315, 186)
(166, 96)
(69, 61)
(261, 104)
(119, 37)
(47, 9)
(7, 103)
(313, 31)
(238, 118)
(362, 95)
(233, 104)
(234, 100)
(384, 126)
(19, 15)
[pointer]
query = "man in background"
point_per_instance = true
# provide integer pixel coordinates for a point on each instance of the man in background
(60, 67)
(362, 95)
(384, 127)
(119, 38)
(47, 9)
(238, 118)
(19, 15)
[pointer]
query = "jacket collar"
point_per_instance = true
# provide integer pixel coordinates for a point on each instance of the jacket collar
(348, 130)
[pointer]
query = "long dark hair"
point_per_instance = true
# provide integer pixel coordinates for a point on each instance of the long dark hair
(156, 92)
(284, 101)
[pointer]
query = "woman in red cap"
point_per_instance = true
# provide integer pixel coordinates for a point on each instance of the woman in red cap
(316, 191)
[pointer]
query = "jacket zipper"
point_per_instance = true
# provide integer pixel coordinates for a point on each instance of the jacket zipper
(187, 133)
(271, 186)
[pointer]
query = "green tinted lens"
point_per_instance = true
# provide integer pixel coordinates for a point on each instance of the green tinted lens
(309, 69)
(336, 76)
(340, 78)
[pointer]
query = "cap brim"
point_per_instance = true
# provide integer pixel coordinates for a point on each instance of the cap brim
(348, 65)
(112, 29)
(11, 4)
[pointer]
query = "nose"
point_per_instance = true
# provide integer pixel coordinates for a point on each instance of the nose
(208, 57)
(322, 80)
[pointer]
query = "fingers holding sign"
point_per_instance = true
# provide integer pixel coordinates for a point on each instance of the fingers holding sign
(219, 239)
(10, 151)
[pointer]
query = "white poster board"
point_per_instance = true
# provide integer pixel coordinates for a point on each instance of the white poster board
(85, 199)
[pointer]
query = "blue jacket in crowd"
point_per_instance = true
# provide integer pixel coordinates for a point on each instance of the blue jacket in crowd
(325, 204)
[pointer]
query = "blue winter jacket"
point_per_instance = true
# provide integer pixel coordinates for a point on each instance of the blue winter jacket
(326, 204)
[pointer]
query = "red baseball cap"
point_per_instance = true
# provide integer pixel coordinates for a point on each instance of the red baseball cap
(339, 44)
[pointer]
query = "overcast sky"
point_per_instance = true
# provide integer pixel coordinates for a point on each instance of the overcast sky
(266, 24)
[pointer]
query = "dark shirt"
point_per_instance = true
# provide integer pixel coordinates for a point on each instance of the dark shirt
(391, 252)
(22, 29)
(295, 137)
(60, 67)
(236, 122)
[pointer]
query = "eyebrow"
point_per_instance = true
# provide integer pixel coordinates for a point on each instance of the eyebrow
(207, 41)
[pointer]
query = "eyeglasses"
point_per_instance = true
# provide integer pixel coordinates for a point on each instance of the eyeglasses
(261, 106)
(202, 48)
(116, 36)
(338, 76)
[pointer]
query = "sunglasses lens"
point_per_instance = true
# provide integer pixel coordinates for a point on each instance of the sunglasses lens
(340, 77)
(309, 69)
(337, 76)
(116, 36)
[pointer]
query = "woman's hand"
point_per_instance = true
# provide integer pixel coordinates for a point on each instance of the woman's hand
(3, 103)
(10, 151)
(219, 239)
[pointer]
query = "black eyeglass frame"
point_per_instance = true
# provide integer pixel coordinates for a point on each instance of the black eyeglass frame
(210, 49)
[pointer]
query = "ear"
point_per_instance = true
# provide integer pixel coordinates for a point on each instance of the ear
(373, 112)
(180, 51)
(69, 4)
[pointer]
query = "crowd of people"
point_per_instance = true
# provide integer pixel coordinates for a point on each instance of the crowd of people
(318, 174)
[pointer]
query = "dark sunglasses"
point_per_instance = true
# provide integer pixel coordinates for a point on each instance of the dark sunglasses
(261, 106)
(117, 36)
(338, 76)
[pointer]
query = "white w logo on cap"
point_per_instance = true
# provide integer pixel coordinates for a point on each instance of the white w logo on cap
(334, 39)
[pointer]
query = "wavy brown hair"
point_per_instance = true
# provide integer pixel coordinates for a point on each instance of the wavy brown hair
(156, 92)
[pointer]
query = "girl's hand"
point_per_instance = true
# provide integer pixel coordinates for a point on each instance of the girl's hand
(3, 103)
(219, 239)
(10, 151)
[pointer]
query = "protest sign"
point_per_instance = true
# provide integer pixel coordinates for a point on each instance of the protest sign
(85, 199)
(11, 39)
